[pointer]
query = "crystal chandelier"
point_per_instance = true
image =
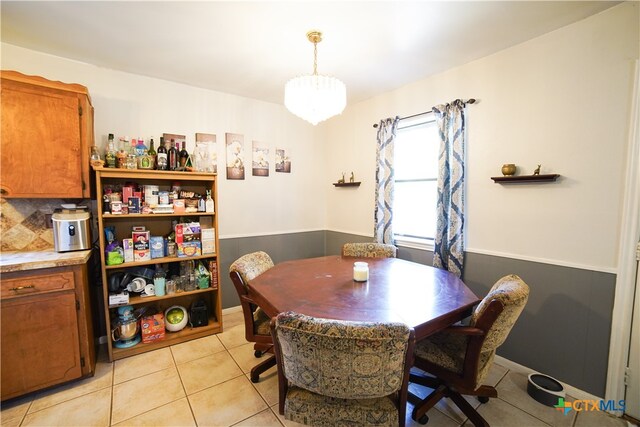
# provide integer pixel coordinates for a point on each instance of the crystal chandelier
(316, 97)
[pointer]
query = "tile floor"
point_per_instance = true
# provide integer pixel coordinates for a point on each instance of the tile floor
(205, 382)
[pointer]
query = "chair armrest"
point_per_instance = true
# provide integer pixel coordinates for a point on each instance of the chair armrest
(464, 330)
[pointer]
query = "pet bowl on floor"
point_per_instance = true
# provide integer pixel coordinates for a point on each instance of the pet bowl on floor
(545, 389)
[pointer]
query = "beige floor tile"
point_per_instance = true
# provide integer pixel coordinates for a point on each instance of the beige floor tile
(227, 403)
(208, 371)
(92, 409)
(436, 418)
(143, 394)
(267, 386)
(191, 350)
(230, 320)
(177, 413)
(142, 364)
(499, 413)
(265, 418)
(102, 378)
(513, 389)
(12, 413)
(233, 337)
(598, 419)
(245, 358)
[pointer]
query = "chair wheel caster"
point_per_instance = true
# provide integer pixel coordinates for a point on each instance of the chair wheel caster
(257, 353)
(483, 399)
(255, 379)
(422, 420)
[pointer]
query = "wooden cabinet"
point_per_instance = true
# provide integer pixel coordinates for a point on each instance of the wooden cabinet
(47, 132)
(47, 334)
(159, 225)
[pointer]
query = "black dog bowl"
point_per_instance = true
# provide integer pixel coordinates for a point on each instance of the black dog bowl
(545, 389)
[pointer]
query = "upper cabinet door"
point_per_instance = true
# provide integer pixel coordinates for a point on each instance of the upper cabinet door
(44, 141)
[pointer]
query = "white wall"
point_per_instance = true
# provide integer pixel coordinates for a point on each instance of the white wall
(137, 106)
(562, 100)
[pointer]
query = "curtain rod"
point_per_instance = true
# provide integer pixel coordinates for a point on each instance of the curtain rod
(469, 101)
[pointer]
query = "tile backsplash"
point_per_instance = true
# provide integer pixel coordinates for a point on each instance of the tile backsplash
(23, 223)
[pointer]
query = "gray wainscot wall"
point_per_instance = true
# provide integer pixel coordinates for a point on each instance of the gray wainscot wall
(563, 332)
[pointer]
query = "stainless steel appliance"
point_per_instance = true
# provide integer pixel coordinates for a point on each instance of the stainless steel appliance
(71, 229)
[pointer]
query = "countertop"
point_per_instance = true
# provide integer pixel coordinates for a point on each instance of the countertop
(21, 261)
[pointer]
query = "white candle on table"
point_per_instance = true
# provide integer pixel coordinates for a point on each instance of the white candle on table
(360, 271)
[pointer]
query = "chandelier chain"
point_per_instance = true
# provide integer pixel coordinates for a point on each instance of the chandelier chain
(315, 58)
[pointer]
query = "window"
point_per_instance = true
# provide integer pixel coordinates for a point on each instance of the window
(416, 181)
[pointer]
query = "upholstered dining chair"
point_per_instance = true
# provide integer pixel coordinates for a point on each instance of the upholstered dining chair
(256, 321)
(460, 356)
(333, 372)
(369, 250)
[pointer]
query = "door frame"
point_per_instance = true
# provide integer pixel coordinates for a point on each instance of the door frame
(627, 264)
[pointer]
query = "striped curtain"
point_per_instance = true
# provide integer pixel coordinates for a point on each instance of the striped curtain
(383, 232)
(449, 239)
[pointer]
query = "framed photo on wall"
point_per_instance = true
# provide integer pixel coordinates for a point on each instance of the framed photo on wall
(283, 160)
(235, 155)
(206, 153)
(260, 159)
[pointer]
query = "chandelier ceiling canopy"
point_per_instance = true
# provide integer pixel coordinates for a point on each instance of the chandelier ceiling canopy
(315, 97)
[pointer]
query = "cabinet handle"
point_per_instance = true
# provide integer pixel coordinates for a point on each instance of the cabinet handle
(19, 288)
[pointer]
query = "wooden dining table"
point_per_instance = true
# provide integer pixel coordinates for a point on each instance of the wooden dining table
(425, 298)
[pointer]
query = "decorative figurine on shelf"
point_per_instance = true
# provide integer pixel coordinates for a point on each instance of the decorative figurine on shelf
(537, 171)
(352, 179)
(341, 180)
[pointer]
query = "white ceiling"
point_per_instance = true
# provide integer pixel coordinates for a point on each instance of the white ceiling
(252, 48)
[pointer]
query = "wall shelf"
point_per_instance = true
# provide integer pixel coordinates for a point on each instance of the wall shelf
(525, 178)
(347, 184)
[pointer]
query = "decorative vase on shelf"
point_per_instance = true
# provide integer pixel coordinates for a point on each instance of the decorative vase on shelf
(508, 169)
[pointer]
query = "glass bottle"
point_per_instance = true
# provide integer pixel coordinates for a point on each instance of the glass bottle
(209, 203)
(132, 159)
(183, 156)
(140, 148)
(110, 153)
(144, 161)
(161, 157)
(95, 155)
(153, 154)
(121, 156)
(173, 156)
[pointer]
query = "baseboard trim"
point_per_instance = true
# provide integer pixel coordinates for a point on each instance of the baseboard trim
(230, 310)
(570, 390)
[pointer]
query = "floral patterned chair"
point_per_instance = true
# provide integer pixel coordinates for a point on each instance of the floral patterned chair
(333, 372)
(256, 321)
(369, 250)
(460, 356)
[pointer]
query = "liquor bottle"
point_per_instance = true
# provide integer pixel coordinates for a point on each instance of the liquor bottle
(132, 158)
(173, 156)
(162, 162)
(144, 161)
(183, 156)
(153, 154)
(140, 148)
(209, 203)
(121, 156)
(110, 154)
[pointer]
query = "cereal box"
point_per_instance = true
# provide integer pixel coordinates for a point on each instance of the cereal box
(152, 328)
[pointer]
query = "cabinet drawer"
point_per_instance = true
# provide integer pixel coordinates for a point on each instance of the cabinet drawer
(23, 284)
